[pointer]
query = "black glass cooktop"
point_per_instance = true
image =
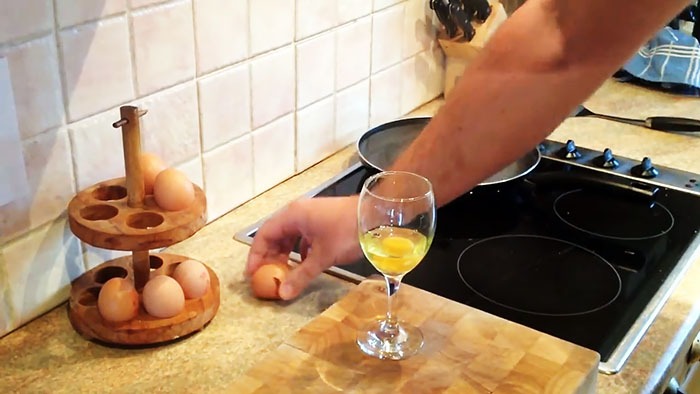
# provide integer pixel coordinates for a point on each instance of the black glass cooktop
(569, 251)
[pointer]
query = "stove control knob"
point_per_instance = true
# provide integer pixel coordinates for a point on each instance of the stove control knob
(570, 151)
(645, 169)
(607, 160)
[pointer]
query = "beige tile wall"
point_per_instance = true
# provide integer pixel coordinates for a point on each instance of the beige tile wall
(241, 94)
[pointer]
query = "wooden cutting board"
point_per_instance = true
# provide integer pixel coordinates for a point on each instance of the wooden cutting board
(465, 351)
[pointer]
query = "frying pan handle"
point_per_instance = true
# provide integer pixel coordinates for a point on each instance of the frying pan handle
(573, 179)
(670, 123)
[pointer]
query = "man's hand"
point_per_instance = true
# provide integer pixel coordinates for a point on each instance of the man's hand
(328, 231)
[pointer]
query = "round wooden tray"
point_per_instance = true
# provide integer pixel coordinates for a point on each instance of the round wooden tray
(100, 216)
(144, 328)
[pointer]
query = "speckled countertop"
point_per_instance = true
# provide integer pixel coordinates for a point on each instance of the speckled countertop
(46, 355)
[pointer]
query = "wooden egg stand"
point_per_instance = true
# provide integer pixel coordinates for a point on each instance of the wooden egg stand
(117, 215)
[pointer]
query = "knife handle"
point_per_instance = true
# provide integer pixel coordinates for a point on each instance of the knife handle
(462, 19)
(670, 123)
(482, 8)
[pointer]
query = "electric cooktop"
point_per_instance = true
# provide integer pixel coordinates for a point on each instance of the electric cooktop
(587, 247)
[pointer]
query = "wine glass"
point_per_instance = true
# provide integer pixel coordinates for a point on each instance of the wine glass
(396, 225)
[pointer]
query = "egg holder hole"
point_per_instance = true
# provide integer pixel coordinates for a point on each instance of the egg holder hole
(89, 296)
(145, 220)
(107, 273)
(109, 193)
(155, 262)
(99, 212)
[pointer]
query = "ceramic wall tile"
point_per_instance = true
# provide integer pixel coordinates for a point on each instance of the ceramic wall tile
(353, 9)
(387, 37)
(224, 105)
(221, 28)
(163, 45)
(228, 173)
(271, 24)
(385, 96)
(422, 79)
(36, 85)
(21, 18)
(97, 149)
(379, 4)
(315, 16)
(315, 130)
(315, 69)
(419, 32)
(73, 12)
(170, 130)
(353, 49)
(8, 319)
(351, 114)
(47, 162)
(13, 178)
(273, 153)
(96, 66)
(272, 85)
(40, 267)
(193, 170)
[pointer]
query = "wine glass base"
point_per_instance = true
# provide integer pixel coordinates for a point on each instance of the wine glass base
(401, 344)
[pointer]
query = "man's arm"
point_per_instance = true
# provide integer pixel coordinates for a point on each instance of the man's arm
(544, 60)
(548, 57)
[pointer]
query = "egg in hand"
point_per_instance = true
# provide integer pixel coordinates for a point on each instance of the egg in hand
(118, 301)
(267, 279)
(172, 190)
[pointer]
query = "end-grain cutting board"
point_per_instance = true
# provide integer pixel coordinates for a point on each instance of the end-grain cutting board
(465, 351)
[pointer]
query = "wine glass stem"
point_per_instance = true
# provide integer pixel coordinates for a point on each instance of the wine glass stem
(391, 326)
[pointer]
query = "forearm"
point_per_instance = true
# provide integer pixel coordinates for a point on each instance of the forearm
(546, 59)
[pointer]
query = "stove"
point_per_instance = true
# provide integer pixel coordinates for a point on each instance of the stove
(587, 247)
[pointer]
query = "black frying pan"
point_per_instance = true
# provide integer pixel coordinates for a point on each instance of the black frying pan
(381, 146)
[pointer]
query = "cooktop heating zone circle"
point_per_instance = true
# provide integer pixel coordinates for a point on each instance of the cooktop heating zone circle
(539, 275)
(607, 216)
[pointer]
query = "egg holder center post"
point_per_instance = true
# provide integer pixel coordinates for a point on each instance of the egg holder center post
(117, 215)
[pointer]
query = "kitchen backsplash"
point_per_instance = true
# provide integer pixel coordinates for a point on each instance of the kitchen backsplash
(241, 94)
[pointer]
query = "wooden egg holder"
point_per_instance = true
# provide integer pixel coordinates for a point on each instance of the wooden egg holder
(117, 215)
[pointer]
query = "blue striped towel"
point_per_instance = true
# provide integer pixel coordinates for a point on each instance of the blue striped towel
(671, 56)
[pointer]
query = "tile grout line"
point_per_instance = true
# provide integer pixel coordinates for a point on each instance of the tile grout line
(295, 73)
(132, 53)
(249, 67)
(197, 98)
(66, 101)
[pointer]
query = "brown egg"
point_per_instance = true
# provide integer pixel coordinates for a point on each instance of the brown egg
(267, 280)
(118, 300)
(193, 277)
(151, 166)
(163, 297)
(172, 190)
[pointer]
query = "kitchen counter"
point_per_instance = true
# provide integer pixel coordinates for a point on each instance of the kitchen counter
(47, 355)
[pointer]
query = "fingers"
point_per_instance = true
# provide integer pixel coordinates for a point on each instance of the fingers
(275, 239)
(299, 277)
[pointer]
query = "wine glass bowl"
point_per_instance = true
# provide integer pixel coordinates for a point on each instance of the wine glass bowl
(396, 225)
